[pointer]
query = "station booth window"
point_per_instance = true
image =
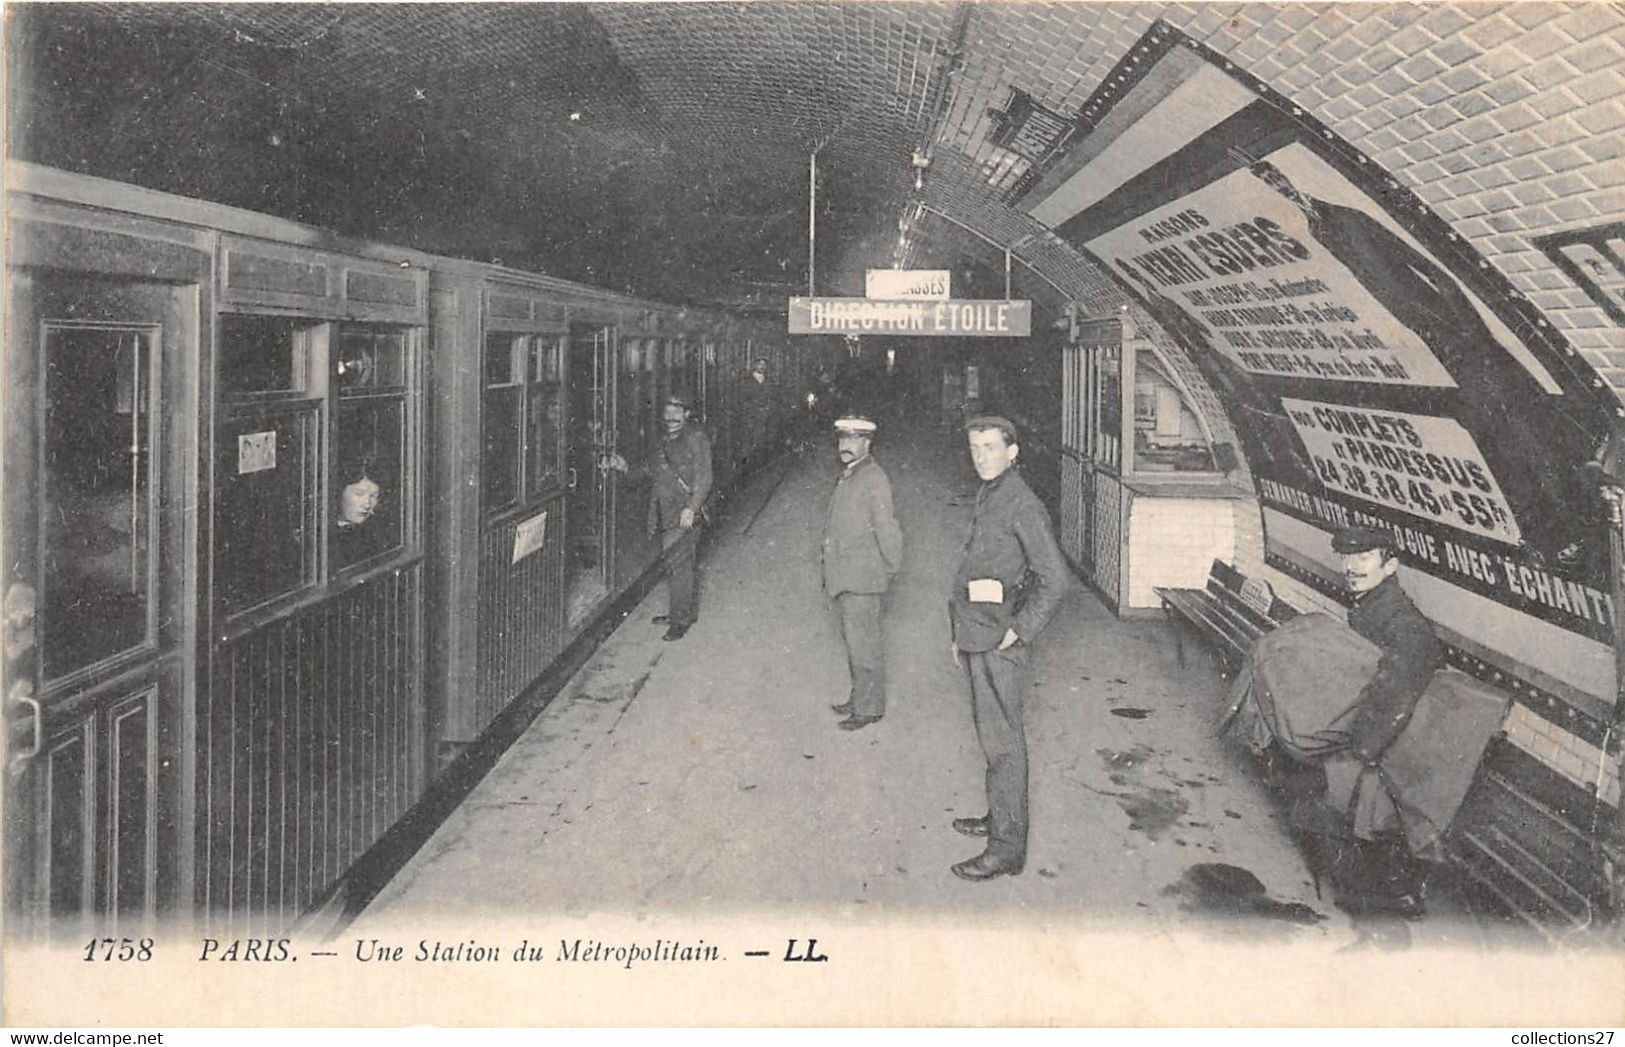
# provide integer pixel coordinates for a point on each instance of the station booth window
(522, 419)
(1144, 500)
(313, 468)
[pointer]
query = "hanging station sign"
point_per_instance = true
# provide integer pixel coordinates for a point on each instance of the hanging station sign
(953, 318)
(1374, 368)
(892, 284)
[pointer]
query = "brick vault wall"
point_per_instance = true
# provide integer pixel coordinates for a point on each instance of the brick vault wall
(1507, 119)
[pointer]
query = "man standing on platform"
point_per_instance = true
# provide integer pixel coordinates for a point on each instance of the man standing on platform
(755, 412)
(1008, 585)
(863, 550)
(681, 468)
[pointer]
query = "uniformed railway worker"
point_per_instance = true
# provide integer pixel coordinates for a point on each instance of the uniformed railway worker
(1007, 587)
(681, 468)
(863, 551)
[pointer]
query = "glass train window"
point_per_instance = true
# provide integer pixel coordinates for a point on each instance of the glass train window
(501, 421)
(1168, 438)
(98, 516)
(638, 358)
(544, 413)
(367, 481)
(263, 354)
(368, 487)
(266, 454)
(266, 477)
(371, 358)
(523, 423)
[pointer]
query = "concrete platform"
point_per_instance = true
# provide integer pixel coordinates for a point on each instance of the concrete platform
(707, 775)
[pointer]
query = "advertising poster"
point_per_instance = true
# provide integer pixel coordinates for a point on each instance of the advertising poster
(1371, 375)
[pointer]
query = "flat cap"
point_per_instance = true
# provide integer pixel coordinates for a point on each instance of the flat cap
(992, 421)
(1360, 539)
(856, 424)
(682, 400)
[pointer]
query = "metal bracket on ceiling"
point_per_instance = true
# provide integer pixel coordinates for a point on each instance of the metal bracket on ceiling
(1008, 249)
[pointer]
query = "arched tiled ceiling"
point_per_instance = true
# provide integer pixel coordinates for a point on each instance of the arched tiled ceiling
(664, 148)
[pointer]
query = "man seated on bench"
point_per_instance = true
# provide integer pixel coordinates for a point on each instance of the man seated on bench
(1299, 704)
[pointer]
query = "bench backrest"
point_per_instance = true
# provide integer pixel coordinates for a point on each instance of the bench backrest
(1252, 598)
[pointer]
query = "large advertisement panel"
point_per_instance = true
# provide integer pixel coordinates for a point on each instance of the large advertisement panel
(1374, 368)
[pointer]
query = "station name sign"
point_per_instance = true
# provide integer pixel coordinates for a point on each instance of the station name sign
(954, 318)
(892, 284)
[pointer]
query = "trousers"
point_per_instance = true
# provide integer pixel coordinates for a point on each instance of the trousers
(682, 602)
(865, 655)
(998, 691)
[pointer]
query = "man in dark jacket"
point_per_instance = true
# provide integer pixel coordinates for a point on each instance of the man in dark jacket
(755, 411)
(1378, 874)
(1007, 587)
(863, 550)
(681, 469)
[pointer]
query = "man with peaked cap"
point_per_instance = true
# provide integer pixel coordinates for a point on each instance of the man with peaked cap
(681, 469)
(1007, 588)
(1377, 874)
(863, 551)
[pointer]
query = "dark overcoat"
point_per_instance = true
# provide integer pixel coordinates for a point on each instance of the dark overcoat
(863, 546)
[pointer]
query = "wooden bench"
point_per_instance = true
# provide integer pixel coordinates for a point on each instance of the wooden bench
(1233, 612)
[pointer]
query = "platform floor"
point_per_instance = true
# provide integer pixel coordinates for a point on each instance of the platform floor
(708, 775)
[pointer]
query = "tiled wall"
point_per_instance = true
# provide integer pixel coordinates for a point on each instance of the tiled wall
(1174, 541)
(1507, 119)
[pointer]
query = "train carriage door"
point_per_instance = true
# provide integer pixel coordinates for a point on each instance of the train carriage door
(590, 520)
(100, 401)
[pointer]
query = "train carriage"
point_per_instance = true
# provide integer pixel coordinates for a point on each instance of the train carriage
(291, 519)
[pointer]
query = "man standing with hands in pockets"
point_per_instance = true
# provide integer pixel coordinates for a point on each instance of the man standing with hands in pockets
(1008, 585)
(863, 550)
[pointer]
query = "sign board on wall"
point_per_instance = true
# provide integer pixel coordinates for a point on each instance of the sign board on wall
(529, 536)
(1375, 370)
(907, 283)
(955, 318)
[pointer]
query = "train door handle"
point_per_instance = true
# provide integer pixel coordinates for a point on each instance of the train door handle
(22, 693)
(574, 478)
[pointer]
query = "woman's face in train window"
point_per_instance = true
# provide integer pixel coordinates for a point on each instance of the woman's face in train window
(358, 502)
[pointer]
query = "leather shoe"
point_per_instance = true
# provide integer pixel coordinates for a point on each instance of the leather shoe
(854, 723)
(986, 866)
(844, 709)
(660, 619)
(676, 632)
(973, 826)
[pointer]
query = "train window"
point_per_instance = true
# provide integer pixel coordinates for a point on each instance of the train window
(267, 449)
(371, 358)
(266, 476)
(263, 354)
(523, 418)
(501, 424)
(1168, 437)
(98, 514)
(368, 484)
(367, 480)
(544, 413)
